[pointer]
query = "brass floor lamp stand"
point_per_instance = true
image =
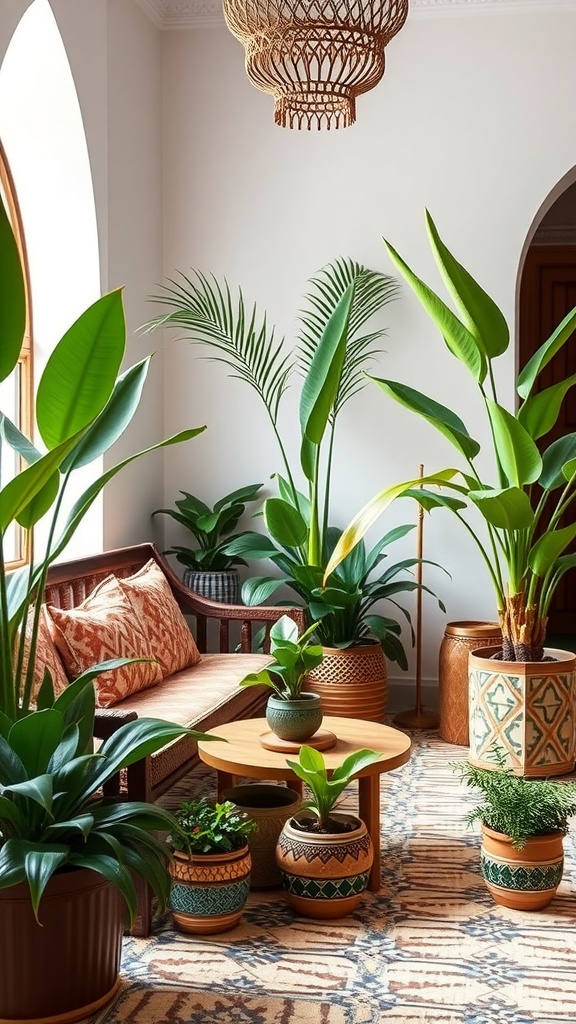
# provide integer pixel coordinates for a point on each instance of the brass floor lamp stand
(418, 717)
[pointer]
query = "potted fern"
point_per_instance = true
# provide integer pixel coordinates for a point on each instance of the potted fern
(527, 515)
(68, 855)
(523, 824)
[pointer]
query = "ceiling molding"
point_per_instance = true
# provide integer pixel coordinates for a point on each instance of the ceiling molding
(178, 14)
(555, 234)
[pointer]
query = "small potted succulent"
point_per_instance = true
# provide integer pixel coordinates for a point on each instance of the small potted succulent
(325, 855)
(209, 570)
(523, 824)
(210, 871)
(292, 714)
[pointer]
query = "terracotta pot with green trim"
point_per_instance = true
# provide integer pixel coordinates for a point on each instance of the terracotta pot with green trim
(209, 890)
(525, 879)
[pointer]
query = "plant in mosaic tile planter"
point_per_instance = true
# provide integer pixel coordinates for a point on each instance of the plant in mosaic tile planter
(523, 825)
(209, 570)
(525, 516)
(293, 715)
(325, 855)
(210, 870)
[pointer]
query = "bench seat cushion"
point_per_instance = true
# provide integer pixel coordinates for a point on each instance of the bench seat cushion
(201, 697)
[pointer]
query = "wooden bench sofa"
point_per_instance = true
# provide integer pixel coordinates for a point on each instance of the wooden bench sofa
(201, 697)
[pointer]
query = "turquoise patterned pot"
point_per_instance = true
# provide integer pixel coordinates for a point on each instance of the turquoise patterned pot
(208, 891)
(294, 720)
(524, 879)
(324, 875)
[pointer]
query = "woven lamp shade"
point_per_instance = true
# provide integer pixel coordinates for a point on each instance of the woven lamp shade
(315, 56)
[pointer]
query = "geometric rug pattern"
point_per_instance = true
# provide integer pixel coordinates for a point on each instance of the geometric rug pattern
(430, 948)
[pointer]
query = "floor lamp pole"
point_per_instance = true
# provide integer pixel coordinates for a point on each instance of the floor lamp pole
(418, 717)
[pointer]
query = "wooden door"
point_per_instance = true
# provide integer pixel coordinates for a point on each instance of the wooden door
(547, 293)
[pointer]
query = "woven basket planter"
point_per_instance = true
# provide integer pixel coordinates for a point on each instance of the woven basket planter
(459, 639)
(352, 683)
(223, 587)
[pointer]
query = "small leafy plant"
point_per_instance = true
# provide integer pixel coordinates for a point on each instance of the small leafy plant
(311, 768)
(205, 827)
(211, 527)
(518, 807)
(294, 657)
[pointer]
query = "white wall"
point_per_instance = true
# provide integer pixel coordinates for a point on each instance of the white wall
(474, 120)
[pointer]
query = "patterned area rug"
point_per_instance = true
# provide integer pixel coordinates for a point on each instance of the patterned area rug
(430, 947)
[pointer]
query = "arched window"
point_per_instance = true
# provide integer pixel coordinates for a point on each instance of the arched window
(16, 391)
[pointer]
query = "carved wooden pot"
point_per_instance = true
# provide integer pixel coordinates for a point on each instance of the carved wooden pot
(524, 879)
(527, 708)
(459, 639)
(208, 891)
(353, 682)
(324, 876)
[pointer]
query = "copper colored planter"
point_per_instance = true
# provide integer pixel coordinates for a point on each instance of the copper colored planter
(527, 708)
(65, 968)
(353, 682)
(459, 639)
(524, 879)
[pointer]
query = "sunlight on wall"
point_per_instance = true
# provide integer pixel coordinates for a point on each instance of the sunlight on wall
(43, 135)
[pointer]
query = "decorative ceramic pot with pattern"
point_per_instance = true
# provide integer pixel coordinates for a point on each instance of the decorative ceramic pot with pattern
(294, 720)
(208, 891)
(352, 682)
(527, 708)
(270, 806)
(524, 879)
(324, 875)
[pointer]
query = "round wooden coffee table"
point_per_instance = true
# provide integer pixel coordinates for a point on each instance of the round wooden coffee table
(244, 755)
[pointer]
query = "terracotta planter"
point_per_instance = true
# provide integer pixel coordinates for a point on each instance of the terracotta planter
(459, 639)
(65, 968)
(294, 720)
(352, 683)
(324, 876)
(223, 587)
(525, 707)
(522, 879)
(270, 806)
(209, 890)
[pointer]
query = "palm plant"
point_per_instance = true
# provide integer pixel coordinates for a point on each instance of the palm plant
(528, 510)
(52, 813)
(334, 348)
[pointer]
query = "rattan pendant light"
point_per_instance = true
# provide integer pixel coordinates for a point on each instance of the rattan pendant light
(315, 56)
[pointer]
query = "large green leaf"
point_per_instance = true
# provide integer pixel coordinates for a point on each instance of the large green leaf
(11, 767)
(321, 385)
(258, 589)
(481, 314)
(458, 338)
(507, 509)
(18, 441)
(545, 353)
(554, 459)
(548, 548)
(81, 372)
(39, 790)
(517, 452)
(19, 492)
(539, 412)
(284, 523)
(12, 298)
(252, 545)
(35, 738)
(446, 421)
(40, 863)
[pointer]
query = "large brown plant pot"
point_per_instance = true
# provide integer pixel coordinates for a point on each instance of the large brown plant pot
(527, 709)
(270, 806)
(208, 891)
(324, 876)
(353, 682)
(524, 879)
(459, 639)
(65, 968)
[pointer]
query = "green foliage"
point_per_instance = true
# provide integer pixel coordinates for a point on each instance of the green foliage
(52, 813)
(294, 657)
(518, 807)
(204, 827)
(334, 350)
(211, 527)
(523, 548)
(311, 768)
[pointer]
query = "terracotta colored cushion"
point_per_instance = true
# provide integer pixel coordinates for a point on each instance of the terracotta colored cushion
(105, 626)
(171, 641)
(47, 656)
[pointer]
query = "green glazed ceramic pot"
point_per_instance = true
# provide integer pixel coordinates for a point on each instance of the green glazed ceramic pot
(294, 720)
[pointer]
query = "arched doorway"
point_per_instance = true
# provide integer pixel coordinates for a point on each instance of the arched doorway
(547, 291)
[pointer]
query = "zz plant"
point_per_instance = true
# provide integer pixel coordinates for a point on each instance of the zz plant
(52, 812)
